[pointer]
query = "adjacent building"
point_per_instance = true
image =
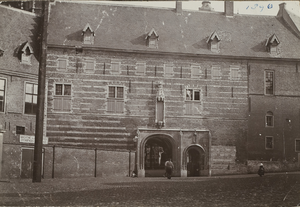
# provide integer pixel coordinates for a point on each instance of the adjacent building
(19, 55)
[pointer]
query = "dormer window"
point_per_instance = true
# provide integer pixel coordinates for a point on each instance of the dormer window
(214, 42)
(152, 39)
(26, 52)
(88, 35)
(272, 44)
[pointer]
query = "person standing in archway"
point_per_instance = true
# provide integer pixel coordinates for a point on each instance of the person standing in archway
(169, 166)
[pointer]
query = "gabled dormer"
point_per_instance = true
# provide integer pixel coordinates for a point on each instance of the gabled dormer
(152, 39)
(272, 44)
(26, 53)
(88, 35)
(213, 42)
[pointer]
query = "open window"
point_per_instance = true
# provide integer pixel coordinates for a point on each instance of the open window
(152, 39)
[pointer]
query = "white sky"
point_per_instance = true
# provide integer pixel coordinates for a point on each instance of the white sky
(241, 7)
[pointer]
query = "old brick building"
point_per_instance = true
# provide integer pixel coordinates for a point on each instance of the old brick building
(129, 87)
(187, 85)
(19, 50)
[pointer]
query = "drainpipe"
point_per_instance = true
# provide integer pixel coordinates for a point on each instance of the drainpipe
(209, 154)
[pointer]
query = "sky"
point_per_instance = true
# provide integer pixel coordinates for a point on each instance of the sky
(241, 7)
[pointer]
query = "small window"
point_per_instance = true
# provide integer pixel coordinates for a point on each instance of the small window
(269, 143)
(169, 70)
(234, 73)
(88, 35)
(192, 95)
(140, 68)
(90, 66)
(26, 53)
(115, 67)
(2, 94)
(195, 72)
(62, 64)
(31, 94)
(297, 145)
(216, 72)
(62, 98)
(269, 82)
(269, 119)
(115, 101)
(20, 130)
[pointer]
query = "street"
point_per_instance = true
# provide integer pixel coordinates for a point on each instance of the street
(240, 190)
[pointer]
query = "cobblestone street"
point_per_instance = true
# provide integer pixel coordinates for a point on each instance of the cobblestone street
(243, 190)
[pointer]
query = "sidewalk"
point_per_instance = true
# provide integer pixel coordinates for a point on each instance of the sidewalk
(92, 183)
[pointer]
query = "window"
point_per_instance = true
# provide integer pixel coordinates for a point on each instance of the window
(88, 34)
(269, 143)
(2, 94)
(140, 68)
(215, 72)
(269, 119)
(62, 97)
(31, 92)
(269, 82)
(169, 70)
(115, 101)
(297, 145)
(234, 73)
(26, 52)
(89, 65)
(192, 104)
(20, 130)
(195, 72)
(192, 95)
(62, 64)
(115, 67)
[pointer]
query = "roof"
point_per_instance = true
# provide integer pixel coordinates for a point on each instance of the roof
(18, 29)
(125, 28)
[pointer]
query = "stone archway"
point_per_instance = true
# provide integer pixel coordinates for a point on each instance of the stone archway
(154, 151)
(194, 160)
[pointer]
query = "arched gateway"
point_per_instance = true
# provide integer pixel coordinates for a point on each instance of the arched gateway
(155, 150)
(194, 160)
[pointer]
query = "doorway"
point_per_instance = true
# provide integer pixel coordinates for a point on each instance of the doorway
(157, 151)
(195, 161)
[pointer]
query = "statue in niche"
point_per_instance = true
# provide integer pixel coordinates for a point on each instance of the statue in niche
(160, 96)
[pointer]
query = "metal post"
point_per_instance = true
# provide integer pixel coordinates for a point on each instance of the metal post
(53, 161)
(95, 172)
(38, 145)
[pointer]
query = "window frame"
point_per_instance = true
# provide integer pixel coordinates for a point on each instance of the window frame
(89, 60)
(237, 70)
(193, 69)
(119, 67)
(32, 94)
(114, 100)
(273, 82)
(62, 97)
(26, 58)
(269, 114)
(169, 74)
(4, 94)
(193, 91)
(59, 68)
(137, 72)
(297, 140)
(266, 142)
(213, 69)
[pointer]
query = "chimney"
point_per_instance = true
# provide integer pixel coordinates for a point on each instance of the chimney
(206, 6)
(228, 8)
(281, 9)
(178, 7)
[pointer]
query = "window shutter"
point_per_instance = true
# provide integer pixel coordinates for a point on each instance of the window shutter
(119, 105)
(110, 105)
(189, 108)
(58, 103)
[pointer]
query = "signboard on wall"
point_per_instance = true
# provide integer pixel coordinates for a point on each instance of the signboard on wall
(31, 138)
